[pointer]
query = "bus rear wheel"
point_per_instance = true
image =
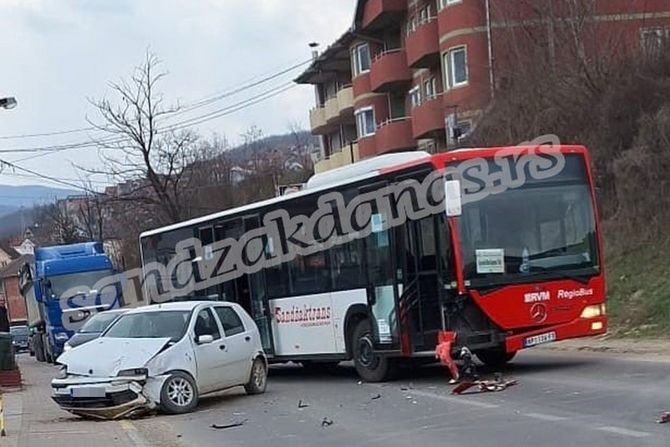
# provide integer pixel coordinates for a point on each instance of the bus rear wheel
(371, 367)
(496, 357)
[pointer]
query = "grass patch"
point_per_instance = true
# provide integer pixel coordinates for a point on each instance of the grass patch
(638, 290)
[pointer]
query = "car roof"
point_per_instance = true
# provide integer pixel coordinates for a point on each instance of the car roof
(180, 305)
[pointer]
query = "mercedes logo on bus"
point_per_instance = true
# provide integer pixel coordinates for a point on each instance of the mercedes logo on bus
(538, 312)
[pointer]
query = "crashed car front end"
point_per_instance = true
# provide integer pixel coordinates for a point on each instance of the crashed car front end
(128, 394)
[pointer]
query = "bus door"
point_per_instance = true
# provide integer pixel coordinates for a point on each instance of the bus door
(258, 300)
(419, 303)
(384, 279)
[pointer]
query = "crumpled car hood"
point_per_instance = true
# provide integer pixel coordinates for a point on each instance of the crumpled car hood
(106, 356)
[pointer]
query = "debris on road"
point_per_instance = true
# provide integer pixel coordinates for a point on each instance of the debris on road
(301, 404)
(483, 386)
(231, 425)
(376, 396)
(445, 340)
(663, 418)
(326, 422)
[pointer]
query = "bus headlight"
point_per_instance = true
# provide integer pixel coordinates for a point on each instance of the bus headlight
(593, 311)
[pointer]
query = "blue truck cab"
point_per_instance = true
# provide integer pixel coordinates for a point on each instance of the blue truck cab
(60, 293)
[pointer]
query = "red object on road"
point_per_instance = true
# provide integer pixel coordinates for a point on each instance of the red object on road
(445, 341)
(483, 386)
(664, 418)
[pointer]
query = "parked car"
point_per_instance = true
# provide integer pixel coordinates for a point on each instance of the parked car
(20, 336)
(92, 329)
(162, 356)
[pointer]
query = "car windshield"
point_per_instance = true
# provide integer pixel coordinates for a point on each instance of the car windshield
(170, 324)
(542, 229)
(19, 330)
(98, 323)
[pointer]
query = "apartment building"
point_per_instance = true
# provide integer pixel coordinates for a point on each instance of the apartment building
(418, 74)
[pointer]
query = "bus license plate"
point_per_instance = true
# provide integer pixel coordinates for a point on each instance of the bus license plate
(539, 339)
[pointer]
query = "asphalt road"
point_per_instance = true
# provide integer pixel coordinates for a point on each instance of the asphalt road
(562, 399)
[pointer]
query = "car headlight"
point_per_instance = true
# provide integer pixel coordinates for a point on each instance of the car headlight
(136, 372)
(61, 336)
(67, 347)
(594, 311)
(62, 372)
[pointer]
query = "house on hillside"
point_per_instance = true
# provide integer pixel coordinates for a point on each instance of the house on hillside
(7, 253)
(10, 293)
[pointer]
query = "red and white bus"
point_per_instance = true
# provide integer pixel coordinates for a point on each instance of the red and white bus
(499, 268)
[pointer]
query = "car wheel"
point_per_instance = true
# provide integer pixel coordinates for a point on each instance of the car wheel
(370, 367)
(39, 349)
(179, 393)
(258, 380)
(495, 358)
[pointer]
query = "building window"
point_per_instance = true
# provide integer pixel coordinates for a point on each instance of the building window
(415, 96)
(455, 67)
(365, 122)
(441, 4)
(424, 15)
(411, 25)
(457, 131)
(430, 88)
(653, 40)
(360, 59)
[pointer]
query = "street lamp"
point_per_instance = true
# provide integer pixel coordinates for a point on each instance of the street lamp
(8, 103)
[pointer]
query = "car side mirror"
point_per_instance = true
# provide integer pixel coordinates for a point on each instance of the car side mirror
(205, 339)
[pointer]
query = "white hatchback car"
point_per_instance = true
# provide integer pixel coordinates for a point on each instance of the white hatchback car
(165, 356)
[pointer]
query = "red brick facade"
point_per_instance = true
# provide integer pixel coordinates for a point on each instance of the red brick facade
(420, 66)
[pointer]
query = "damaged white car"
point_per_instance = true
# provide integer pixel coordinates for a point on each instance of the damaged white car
(162, 356)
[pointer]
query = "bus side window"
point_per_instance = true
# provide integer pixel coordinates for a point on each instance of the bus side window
(346, 265)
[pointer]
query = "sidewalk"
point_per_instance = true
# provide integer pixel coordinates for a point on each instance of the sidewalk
(33, 419)
(642, 348)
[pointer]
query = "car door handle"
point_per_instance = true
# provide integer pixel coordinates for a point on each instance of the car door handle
(222, 347)
(247, 338)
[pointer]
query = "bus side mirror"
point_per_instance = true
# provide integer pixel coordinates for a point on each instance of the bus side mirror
(452, 197)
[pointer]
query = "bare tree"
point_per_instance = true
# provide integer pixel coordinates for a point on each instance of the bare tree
(141, 149)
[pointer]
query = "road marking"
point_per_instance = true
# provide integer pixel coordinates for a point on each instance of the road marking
(624, 431)
(462, 399)
(545, 417)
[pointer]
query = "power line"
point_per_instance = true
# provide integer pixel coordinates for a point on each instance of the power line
(197, 104)
(267, 94)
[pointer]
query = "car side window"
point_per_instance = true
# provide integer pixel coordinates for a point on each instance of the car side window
(205, 324)
(231, 322)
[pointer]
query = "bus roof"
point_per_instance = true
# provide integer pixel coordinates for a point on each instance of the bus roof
(359, 171)
(340, 176)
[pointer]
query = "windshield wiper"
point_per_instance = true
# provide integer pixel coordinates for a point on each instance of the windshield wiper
(559, 274)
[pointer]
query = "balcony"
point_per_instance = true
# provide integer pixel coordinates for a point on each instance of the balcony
(423, 45)
(395, 135)
(367, 147)
(428, 118)
(345, 100)
(332, 110)
(389, 71)
(378, 14)
(317, 119)
(348, 155)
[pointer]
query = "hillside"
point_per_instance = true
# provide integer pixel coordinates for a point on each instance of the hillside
(14, 197)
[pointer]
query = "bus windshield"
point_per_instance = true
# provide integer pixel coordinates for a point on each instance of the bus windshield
(544, 229)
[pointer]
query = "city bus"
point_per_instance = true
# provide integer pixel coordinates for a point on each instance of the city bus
(505, 254)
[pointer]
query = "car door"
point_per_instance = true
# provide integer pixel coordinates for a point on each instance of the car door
(239, 345)
(210, 357)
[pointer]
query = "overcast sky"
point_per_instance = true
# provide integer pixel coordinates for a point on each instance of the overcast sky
(54, 54)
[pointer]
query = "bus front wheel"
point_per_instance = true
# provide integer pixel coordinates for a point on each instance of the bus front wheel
(371, 367)
(495, 358)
